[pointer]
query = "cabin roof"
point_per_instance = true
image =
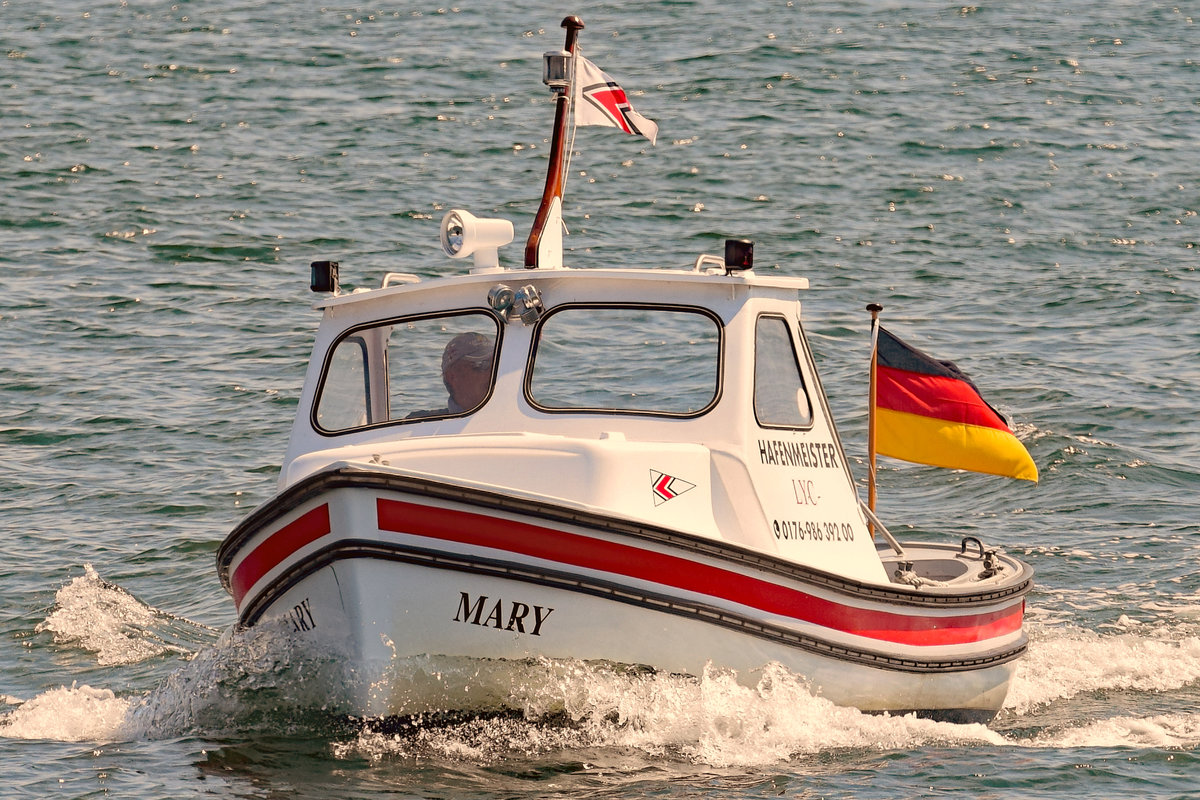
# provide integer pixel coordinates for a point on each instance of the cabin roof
(693, 280)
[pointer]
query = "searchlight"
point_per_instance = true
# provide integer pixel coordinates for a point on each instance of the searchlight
(464, 234)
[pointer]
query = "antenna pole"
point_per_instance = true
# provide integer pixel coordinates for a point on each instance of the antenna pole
(874, 308)
(556, 171)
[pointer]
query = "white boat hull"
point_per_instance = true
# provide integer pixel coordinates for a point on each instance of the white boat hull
(379, 569)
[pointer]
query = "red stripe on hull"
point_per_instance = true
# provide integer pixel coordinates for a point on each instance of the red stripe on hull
(303, 530)
(680, 573)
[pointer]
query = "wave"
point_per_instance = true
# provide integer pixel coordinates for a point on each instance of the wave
(68, 714)
(1066, 663)
(714, 719)
(1163, 731)
(101, 617)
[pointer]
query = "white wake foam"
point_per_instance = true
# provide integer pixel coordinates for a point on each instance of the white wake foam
(1166, 731)
(249, 681)
(714, 720)
(259, 679)
(262, 680)
(75, 714)
(101, 617)
(1064, 663)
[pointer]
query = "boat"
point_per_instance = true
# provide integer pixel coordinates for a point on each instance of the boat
(628, 465)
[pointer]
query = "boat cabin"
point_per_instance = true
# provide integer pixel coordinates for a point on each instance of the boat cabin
(685, 399)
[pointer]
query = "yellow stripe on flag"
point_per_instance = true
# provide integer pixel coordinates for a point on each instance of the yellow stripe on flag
(938, 443)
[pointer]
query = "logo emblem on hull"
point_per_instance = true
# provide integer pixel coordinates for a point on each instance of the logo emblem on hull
(664, 487)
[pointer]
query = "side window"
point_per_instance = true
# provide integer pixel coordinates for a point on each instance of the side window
(408, 369)
(346, 393)
(780, 398)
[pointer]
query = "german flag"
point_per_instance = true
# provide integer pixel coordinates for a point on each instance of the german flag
(929, 412)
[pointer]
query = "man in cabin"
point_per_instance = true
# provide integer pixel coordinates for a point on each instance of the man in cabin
(467, 370)
(466, 374)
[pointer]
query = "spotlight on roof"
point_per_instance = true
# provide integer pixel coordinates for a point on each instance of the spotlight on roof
(464, 234)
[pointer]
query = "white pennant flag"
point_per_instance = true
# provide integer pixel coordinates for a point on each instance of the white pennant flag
(599, 100)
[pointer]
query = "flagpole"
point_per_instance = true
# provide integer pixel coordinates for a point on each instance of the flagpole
(556, 172)
(874, 308)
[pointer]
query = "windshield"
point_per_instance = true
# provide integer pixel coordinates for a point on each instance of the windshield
(409, 369)
(638, 359)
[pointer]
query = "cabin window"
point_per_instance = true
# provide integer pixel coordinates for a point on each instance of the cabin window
(636, 359)
(347, 387)
(780, 397)
(408, 370)
(440, 366)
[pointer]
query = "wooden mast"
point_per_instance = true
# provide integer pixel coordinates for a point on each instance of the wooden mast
(556, 171)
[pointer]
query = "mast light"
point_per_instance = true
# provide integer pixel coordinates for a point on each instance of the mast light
(556, 69)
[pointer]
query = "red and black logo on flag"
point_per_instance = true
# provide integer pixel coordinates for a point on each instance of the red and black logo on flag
(609, 98)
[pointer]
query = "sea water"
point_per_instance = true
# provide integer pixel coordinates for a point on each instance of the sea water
(1017, 184)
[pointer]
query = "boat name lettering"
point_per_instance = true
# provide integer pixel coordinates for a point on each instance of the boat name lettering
(798, 454)
(302, 617)
(514, 620)
(805, 493)
(813, 531)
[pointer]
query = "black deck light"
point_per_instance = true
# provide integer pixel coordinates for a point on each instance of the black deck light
(324, 277)
(739, 255)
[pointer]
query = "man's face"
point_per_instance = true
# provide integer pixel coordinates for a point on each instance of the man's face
(468, 383)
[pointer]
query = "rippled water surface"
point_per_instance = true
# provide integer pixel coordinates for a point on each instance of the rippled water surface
(1017, 183)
